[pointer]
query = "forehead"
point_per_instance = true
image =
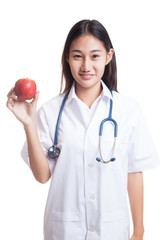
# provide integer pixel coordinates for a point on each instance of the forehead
(87, 42)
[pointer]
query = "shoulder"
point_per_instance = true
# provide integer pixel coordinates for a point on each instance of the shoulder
(48, 112)
(126, 104)
(53, 105)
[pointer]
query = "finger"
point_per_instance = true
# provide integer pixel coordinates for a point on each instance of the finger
(37, 95)
(11, 102)
(14, 97)
(10, 92)
(35, 99)
(9, 106)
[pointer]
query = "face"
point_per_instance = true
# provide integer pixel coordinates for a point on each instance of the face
(87, 59)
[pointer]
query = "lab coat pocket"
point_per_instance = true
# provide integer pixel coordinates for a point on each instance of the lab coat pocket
(67, 226)
(65, 217)
(113, 216)
(118, 151)
(115, 225)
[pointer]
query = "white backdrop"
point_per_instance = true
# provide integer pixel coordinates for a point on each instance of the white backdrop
(33, 33)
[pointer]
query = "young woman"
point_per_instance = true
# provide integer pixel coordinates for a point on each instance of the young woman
(92, 174)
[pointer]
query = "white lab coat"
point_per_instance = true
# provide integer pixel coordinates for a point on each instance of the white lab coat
(87, 200)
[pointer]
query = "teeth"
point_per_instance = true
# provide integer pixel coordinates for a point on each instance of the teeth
(86, 75)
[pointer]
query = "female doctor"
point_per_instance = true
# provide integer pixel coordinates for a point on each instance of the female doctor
(96, 163)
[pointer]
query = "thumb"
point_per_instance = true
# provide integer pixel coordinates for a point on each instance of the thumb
(35, 99)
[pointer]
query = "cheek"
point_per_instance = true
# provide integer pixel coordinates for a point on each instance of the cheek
(73, 67)
(100, 68)
(73, 70)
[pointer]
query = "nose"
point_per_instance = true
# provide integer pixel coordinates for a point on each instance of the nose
(86, 65)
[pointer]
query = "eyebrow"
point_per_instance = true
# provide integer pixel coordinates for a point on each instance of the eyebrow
(79, 51)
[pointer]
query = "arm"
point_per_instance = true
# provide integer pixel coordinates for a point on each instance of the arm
(135, 193)
(26, 114)
(38, 161)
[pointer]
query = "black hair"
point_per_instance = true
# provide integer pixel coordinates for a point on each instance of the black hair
(96, 29)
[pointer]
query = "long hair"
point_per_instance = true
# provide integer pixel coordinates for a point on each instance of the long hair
(97, 30)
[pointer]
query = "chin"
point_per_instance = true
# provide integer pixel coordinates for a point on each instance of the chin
(87, 83)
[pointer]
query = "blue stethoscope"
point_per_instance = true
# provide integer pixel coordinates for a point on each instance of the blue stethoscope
(54, 151)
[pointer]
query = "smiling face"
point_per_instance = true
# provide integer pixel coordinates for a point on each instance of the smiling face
(87, 60)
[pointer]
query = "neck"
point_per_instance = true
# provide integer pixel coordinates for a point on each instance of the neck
(88, 95)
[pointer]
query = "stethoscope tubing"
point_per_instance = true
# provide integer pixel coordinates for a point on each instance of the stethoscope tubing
(101, 159)
(109, 119)
(59, 119)
(54, 151)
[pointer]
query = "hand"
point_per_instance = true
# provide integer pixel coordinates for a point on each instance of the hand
(137, 237)
(23, 110)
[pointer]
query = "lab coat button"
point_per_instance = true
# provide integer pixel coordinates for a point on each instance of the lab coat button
(92, 229)
(92, 197)
(91, 165)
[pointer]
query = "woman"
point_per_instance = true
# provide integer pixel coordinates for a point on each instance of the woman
(88, 198)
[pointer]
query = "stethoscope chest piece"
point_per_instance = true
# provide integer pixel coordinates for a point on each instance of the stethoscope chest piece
(53, 152)
(109, 119)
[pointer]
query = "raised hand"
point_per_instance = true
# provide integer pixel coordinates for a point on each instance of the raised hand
(23, 110)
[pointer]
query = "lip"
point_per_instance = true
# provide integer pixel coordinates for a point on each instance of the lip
(86, 76)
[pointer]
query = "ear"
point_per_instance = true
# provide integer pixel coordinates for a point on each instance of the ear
(109, 55)
(67, 58)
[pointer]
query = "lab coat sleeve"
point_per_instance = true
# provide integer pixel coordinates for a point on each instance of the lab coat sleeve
(44, 137)
(142, 154)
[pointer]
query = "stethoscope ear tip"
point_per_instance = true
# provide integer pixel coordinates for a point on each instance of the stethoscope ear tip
(98, 159)
(111, 160)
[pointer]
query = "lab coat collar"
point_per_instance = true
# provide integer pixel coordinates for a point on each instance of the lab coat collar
(105, 93)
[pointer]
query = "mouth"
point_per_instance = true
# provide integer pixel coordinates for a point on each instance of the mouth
(86, 76)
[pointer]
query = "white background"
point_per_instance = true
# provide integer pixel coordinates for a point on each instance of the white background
(32, 36)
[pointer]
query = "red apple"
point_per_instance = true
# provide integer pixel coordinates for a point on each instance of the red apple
(25, 89)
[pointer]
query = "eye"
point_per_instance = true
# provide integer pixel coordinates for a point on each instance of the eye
(77, 56)
(95, 56)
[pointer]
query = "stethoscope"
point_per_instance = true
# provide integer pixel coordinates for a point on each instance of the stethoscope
(54, 151)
